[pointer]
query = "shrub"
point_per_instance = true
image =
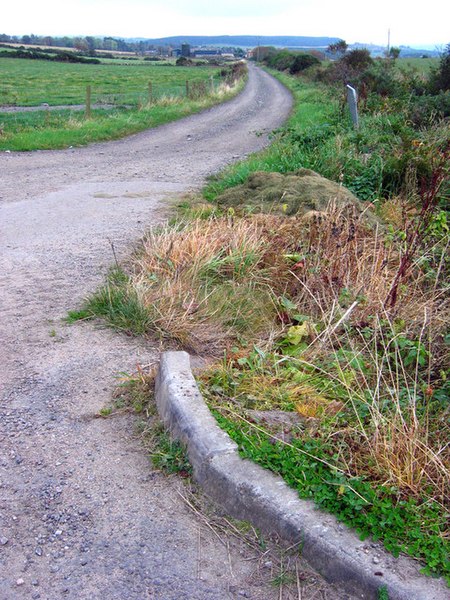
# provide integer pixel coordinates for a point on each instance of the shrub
(183, 61)
(441, 79)
(357, 60)
(302, 62)
(281, 60)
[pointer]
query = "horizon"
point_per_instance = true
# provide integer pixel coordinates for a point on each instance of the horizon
(408, 23)
(427, 47)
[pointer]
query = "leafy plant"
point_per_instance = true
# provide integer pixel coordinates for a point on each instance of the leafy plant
(170, 456)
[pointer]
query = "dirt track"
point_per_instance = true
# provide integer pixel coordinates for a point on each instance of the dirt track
(82, 513)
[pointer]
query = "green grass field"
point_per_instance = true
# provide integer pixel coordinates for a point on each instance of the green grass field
(126, 86)
(422, 65)
(33, 82)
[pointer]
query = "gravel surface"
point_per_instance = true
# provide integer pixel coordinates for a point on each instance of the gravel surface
(42, 107)
(82, 512)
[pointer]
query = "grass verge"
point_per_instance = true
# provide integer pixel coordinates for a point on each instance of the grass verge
(46, 130)
(335, 331)
(314, 107)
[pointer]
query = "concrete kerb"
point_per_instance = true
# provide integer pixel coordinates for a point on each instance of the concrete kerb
(247, 491)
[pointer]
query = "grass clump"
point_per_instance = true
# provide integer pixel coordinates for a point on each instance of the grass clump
(117, 303)
(205, 283)
(370, 442)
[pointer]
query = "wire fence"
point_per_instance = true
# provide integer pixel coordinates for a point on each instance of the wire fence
(98, 96)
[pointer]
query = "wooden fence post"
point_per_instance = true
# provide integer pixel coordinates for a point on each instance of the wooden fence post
(150, 92)
(212, 84)
(187, 89)
(88, 102)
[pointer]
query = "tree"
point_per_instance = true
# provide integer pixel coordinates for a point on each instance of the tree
(358, 59)
(80, 44)
(394, 52)
(338, 49)
(442, 76)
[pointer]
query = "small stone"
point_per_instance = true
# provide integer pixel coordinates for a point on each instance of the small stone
(20, 581)
(38, 551)
(268, 564)
(3, 541)
(83, 562)
(36, 595)
(34, 582)
(375, 560)
(58, 532)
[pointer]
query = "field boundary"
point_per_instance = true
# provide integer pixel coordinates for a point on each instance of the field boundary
(247, 491)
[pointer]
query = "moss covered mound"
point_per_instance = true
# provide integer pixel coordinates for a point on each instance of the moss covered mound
(294, 193)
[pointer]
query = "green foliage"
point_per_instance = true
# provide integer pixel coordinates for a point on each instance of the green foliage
(170, 455)
(302, 62)
(357, 60)
(441, 78)
(383, 593)
(117, 303)
(426, 110)
(286, 60)
(382, 158)
(394, 52)
(338, 48)
(402, 525)
(66, 57)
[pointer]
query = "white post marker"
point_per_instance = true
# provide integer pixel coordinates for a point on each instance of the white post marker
(352, 100)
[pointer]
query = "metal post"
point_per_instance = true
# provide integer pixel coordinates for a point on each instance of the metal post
(352, 100)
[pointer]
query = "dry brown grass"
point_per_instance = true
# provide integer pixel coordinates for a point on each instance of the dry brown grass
(397, 442)
(211, 280)
(215, 281)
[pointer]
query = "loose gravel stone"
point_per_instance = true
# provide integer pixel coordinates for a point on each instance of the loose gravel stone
(65, 216)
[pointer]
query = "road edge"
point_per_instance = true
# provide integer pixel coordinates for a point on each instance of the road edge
(249, 492)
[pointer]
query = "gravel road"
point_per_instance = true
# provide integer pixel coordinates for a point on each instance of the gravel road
(83, 515)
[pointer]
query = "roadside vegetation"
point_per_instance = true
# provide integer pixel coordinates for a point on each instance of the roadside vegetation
(328, 315)
(123, 103)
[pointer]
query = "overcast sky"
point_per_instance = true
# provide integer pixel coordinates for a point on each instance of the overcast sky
(411, 22)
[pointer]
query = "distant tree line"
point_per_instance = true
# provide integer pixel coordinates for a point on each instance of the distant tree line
(51, 55)
(83, 44)
(90, 45)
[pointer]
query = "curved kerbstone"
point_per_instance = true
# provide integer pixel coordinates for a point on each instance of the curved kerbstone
(249, 492)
